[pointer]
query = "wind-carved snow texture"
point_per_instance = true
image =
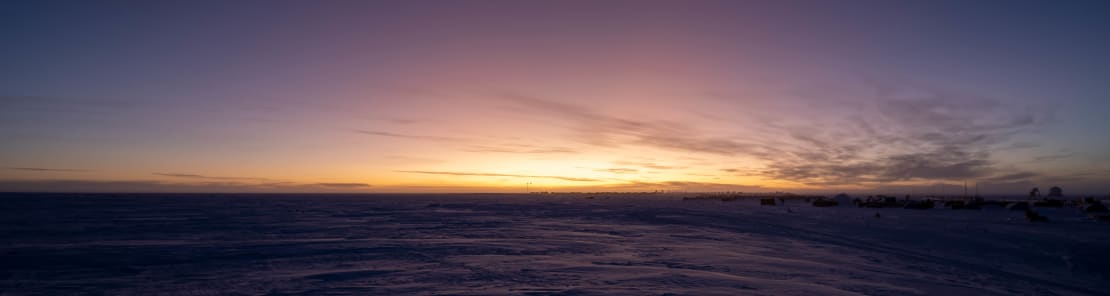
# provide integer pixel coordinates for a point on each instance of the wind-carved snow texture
(533, 244)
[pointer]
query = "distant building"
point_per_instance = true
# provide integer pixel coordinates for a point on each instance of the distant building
(843, 199)
(1055, 192)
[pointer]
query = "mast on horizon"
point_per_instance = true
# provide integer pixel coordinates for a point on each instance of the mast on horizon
(965, 189)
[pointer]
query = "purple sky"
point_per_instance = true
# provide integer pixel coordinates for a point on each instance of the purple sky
(496, 96)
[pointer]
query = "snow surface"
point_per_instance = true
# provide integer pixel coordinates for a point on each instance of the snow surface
(534, 245)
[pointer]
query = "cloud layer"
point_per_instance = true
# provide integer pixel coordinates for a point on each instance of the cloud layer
(904, 133)
(483, 174)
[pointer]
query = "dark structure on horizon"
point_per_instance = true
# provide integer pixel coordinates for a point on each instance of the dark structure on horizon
(1055, 191)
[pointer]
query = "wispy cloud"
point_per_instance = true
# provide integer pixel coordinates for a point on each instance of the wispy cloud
(196, 176)
(412, 160)
(215, 186)
(464, 144)
(619, 170)
(680, 185)
(1053, 157)
(500, 175)
(518, 148)
(344, 185)
(61, 104)
(1019, 176)
(29, 169)
(946, 163)
(905, 133)
(602, 130)
(647, 165)
(396, 120)
(914, 133)
(408, 136)
(262, 182)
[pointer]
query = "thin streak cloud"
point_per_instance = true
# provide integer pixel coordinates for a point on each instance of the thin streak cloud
(407, 136)
(500, 175)
(344, 185)
(195, 176)
(29, 169)
(609, 131)
(518, 148)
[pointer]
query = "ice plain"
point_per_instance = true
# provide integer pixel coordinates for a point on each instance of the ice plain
(529, 244)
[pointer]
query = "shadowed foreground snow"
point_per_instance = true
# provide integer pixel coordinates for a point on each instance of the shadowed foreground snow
(521, 244)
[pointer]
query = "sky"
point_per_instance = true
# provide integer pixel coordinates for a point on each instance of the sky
(514, 96)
